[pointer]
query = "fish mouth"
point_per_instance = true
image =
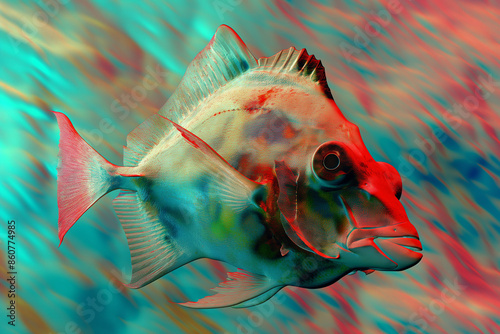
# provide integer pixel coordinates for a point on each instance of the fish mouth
(410, 242)
(397, 246)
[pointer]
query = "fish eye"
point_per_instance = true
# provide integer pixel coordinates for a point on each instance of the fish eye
(331, 164)
(331, 161)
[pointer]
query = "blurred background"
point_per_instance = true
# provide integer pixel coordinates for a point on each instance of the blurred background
(420, 78)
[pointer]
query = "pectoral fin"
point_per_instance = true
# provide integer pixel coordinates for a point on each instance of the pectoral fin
(231, 186)
(239, 287)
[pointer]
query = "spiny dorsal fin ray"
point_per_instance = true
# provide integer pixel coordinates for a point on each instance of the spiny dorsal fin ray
(153, 252)
(300, 62)
(144, 138)
(223, 59)
(238, 288)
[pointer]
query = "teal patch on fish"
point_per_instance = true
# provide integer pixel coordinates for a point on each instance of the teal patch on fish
(252, 163)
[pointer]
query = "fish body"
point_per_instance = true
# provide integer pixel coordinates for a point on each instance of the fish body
(250, 162)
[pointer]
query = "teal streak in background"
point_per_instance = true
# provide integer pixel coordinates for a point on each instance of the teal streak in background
(423, 87)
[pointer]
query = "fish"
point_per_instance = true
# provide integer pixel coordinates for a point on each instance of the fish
(250, 162)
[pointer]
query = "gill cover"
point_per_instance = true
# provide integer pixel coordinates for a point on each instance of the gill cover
(331, 170)
(318, 238)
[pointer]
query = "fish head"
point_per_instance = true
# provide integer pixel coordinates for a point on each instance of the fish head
(344, 206)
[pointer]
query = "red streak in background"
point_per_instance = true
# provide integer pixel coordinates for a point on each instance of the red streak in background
(105, 66)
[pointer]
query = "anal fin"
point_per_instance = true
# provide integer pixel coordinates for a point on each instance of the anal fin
(239, 287)
(153, 252)
(259, 299)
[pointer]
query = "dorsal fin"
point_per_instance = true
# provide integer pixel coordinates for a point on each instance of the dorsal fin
(223, 59)
(144, 137)
(300, 62)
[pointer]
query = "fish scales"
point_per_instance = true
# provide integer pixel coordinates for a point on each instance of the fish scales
(250, 162)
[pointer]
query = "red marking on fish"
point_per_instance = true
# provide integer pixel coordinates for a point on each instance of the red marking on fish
(261, 99)
(288, 132)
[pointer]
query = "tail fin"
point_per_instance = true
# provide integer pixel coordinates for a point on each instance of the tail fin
(84, 176)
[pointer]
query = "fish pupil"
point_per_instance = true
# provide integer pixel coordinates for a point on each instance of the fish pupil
(331, 161)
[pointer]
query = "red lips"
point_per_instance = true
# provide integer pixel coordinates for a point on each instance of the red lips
(397, 244)
(404, 234)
